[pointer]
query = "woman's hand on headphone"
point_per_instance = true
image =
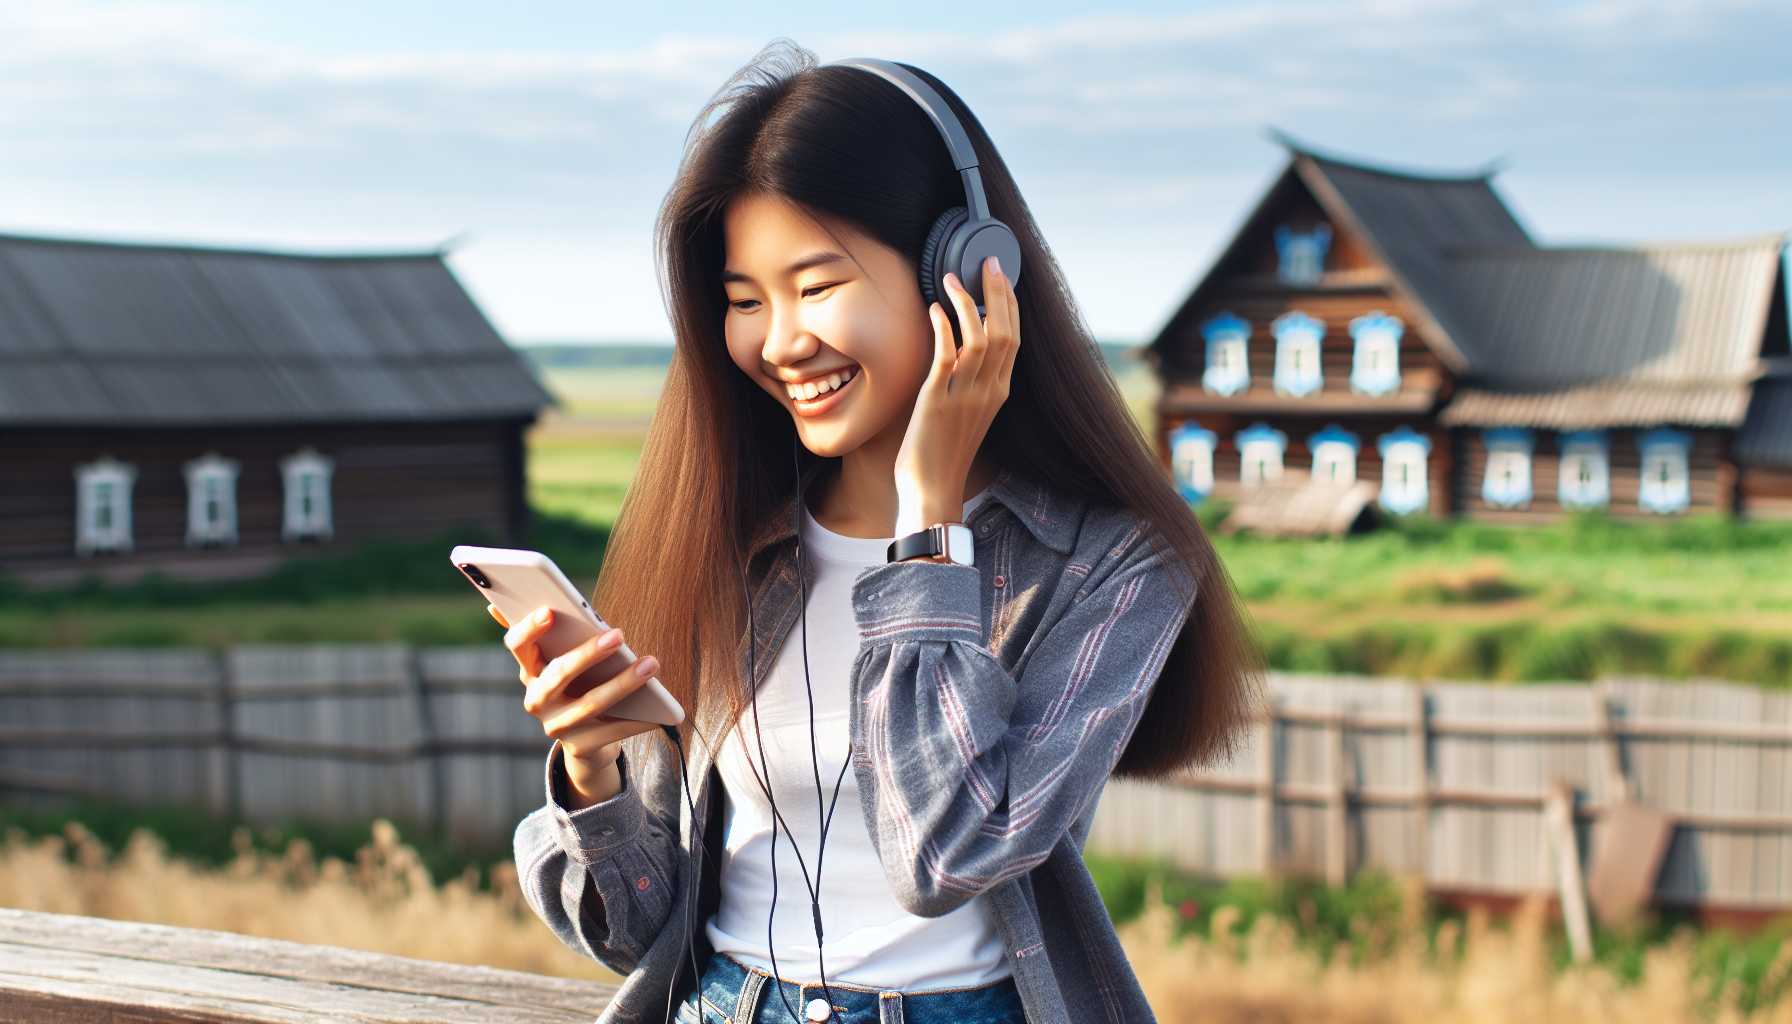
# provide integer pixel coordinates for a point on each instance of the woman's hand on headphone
(962, 393)
(579, 723)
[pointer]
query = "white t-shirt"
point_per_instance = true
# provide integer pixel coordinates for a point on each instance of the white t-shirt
(868, 938)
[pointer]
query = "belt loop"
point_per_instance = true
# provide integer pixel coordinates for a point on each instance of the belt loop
(747, 1005)
(889, 1007)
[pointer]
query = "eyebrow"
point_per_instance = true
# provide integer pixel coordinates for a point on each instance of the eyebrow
(814, 259)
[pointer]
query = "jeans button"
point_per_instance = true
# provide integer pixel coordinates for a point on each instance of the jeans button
(817, 1010)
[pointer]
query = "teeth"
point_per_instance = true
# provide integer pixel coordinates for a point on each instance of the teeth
(820, 387)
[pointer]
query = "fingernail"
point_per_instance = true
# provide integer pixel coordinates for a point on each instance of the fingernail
(645, 666)
(541, 615)
(612, 638)
(952, 279)
(993, 265)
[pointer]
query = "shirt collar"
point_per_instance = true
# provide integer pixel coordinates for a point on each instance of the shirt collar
(1050, 514)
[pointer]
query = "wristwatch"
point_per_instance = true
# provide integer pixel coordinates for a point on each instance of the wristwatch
(953, 540)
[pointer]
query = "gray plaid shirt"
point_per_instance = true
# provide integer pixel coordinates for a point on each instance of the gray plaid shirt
(989, 705)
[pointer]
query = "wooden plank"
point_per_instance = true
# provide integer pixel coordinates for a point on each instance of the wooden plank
(1267, 846)
(69, 967)
(1617, 781)
(1337, 858)
(1633, 839)
(1558, 813)
(1420, 743)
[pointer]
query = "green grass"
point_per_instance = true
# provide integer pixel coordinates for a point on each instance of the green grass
(377, 592)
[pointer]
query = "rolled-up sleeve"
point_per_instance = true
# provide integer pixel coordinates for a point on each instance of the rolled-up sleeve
(600, 877)
(971, 784)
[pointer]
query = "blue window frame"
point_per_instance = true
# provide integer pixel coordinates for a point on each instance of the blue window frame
(1375, 357)
(1228, 360)
(1300, 255)
(1404, 473)
(1506, 482)
(1191, 461)
(1666, 480)
(1297, 353)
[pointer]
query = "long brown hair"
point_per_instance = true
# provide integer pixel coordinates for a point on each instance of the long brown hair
(844, 142)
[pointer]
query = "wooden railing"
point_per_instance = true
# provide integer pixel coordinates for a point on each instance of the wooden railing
(68, 968)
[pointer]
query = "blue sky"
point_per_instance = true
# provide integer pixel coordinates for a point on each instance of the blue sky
(548, 132)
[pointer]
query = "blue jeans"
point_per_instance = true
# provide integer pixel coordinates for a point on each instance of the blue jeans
(735, 993)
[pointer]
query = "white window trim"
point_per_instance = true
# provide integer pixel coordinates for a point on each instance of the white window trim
(1675, 494)
(1235, 368)
(89, 538)
(1192, 460)
(203, 471)
(1266, 453)
(1417, 492)
(1300, 255)
(1297, 333)
(1226, 331)
(1375, 332)
(1328, 453)
(1498, 457)
(295, 469)
(1597, 491)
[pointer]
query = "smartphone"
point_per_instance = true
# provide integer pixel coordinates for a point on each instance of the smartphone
(517, 581)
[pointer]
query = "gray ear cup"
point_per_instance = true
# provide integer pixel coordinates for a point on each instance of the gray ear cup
(933, 266)
(956, 245)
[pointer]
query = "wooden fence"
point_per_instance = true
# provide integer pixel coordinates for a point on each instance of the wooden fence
(1447, 780)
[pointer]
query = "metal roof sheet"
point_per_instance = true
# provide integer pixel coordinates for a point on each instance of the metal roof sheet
(1678, 314)
(99, 332)
(1607, 404)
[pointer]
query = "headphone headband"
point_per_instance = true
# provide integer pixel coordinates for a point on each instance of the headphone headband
(958, 144)
(964, 236)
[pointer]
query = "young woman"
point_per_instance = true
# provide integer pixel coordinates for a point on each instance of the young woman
(965, 717)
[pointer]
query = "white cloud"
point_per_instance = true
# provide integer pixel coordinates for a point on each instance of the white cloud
(177, 118)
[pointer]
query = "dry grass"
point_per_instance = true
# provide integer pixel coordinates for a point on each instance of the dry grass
(1481, 580)
(385, 901)
(1478, 973)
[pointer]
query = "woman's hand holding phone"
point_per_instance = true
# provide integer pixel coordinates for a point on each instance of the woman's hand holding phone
(590, 739)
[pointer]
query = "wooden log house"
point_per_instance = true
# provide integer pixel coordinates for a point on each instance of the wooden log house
(1369, 323)
(211, 411)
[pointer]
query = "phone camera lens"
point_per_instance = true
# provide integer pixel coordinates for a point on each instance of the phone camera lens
(475, 575)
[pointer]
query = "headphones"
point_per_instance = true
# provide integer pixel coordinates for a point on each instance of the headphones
(958, 242)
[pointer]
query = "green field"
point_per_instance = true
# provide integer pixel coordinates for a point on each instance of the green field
(1573, 600)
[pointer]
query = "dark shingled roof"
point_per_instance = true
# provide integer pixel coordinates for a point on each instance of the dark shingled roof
(1553, 336)
(130, 334)
(1410, 219)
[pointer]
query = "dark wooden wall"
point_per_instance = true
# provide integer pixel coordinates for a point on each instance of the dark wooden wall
(1706, 464)
(1420, 369)
(1299, 457)
(1765, 492)
(390, 480)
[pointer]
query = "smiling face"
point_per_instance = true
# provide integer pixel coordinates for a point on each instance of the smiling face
(865, 320)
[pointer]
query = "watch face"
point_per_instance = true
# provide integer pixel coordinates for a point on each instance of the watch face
(959, 544)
